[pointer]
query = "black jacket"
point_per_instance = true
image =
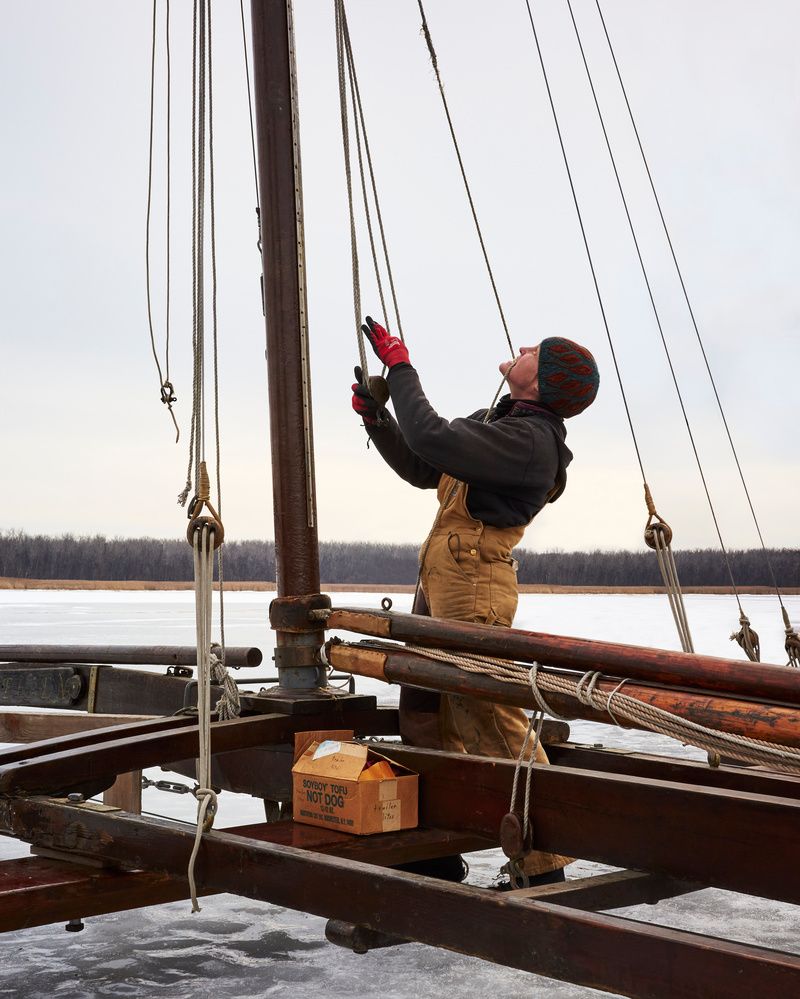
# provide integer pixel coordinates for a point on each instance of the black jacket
(514, 463)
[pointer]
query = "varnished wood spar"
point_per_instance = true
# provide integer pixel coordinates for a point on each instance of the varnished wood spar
(599, 951)
(123, 655)
(730, 839)
(756, 680)
(44, 768)
(772, 723)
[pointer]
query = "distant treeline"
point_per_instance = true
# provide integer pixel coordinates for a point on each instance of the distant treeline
(97, 558)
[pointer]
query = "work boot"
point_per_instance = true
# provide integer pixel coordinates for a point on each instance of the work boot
(453, 868)
(536, 880)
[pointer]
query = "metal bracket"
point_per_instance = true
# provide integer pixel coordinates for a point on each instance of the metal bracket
(292, 613)
(296, 656)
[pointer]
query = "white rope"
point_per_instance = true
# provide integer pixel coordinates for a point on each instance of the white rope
(639, 713)
(669, 575)
(206, 796)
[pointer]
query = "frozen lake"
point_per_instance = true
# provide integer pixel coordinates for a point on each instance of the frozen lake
(237, 948)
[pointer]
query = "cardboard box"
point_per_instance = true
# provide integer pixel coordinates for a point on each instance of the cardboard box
(349, 787)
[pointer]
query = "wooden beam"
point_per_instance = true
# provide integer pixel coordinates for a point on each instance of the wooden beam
(45, 768)
(753, 780)
(599, 951)
(38, 890)
(35, 891)
(32, 726)
(126, 793)
(730, 839)
(609, 891)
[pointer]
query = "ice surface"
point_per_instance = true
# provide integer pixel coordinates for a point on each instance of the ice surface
(236, 948)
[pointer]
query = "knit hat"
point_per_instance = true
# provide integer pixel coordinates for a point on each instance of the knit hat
(568, 376)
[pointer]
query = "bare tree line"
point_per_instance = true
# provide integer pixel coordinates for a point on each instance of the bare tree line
(67, 556)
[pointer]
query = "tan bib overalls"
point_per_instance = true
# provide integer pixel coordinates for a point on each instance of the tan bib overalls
(468, 574)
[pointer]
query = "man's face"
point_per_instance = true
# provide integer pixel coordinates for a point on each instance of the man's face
(522, 373)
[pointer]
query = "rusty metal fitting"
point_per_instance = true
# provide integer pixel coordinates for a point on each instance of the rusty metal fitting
(292, 613)
(296, 656)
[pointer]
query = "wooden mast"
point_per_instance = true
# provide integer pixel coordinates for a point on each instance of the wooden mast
(288, 365)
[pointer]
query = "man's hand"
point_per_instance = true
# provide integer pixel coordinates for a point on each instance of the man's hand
(363, 403)
(390, 349)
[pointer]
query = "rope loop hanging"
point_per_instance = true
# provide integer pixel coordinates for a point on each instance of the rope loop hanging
(166, 387)
(205, 531)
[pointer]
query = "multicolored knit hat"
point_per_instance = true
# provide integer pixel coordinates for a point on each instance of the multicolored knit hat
(568, 376)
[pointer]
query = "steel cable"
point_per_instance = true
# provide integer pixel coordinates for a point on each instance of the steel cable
(790, 632)
(651, 296)
(435, 63)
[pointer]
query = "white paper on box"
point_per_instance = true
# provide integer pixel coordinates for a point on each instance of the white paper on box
(327, 748)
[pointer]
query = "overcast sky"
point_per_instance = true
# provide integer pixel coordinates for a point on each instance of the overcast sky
(86, 444)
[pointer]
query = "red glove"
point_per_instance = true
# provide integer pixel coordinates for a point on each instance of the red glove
(363, 403)
(390, 349)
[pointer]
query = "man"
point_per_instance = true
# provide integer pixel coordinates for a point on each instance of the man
(494, 472)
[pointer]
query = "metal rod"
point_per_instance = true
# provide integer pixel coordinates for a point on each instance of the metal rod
(280, 185)
(123, 655)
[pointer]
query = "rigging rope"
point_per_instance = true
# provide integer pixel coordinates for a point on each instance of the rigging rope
(205, 533)
(745, 637)
(348, 79)
(361, 125)
(357, 314)
(166, 388)
(435, 63)
(669, 573)
(792, 639)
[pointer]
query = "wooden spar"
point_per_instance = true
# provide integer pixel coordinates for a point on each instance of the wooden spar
(772, 723)
(122, 655)
(775, 684)
(598, 950)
